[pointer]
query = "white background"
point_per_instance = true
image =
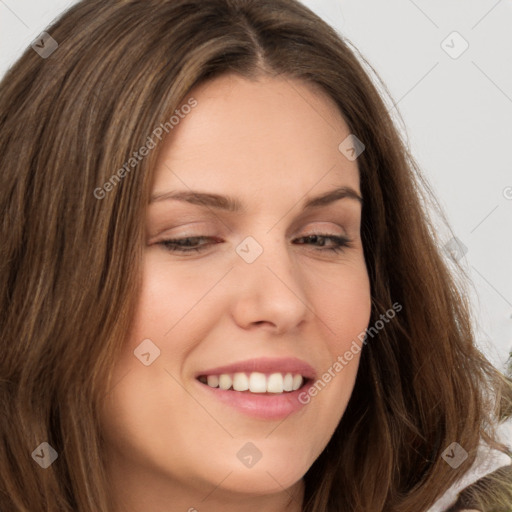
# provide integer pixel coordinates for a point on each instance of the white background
(457, 114)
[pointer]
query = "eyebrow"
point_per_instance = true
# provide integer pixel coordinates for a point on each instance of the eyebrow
(233, 205)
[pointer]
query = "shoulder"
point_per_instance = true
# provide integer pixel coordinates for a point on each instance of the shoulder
(489, 463)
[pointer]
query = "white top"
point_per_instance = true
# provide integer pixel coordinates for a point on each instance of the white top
(487, 461)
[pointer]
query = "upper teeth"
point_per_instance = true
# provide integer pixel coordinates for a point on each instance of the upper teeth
(256, 382)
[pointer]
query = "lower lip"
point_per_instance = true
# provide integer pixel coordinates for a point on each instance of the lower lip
(263, 406)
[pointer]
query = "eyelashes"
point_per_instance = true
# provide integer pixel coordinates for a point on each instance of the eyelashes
(191, 245)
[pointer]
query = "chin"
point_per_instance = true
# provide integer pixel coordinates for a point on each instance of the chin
(267, 476)
(262, 481)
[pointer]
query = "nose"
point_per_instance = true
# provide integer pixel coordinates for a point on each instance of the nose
(270, 292)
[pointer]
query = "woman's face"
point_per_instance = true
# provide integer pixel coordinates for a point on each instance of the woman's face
(265, 303)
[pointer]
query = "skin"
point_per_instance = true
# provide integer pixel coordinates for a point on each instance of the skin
(170, 446)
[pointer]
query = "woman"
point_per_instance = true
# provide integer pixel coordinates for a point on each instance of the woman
(219, 287)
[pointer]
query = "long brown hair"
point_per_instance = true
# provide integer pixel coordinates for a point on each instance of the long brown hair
(70, 262)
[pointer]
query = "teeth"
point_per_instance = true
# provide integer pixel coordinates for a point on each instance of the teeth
(255, 382)
(213, 381)
(225, 381)
(297, 382)
(288, 382)
(240, 382)
(275, 383)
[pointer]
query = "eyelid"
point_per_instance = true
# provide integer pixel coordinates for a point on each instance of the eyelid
(210, 229)
(323, 225)
(200, 228)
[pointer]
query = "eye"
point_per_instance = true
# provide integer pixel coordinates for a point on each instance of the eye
(193, 244)
(185, 245)
(339, 243)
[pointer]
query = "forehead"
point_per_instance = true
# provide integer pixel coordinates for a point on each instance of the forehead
(273, 133)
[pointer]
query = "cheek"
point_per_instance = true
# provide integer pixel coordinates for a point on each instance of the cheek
(343, 305)
(169, 295)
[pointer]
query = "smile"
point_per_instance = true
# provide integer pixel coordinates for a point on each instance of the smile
(255, 382)
(262, 388)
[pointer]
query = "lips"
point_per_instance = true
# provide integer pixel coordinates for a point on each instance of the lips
(266, 388)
